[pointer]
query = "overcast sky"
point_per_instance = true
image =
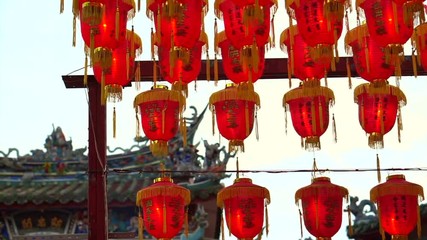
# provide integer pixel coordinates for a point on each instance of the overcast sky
(36, 50)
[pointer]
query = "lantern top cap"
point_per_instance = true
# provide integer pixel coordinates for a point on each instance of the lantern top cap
(245, 180)
(396, 176)
(163, 179)
(159, 86)
(230, 85)
(321, 179)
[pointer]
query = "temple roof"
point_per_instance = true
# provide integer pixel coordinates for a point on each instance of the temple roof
(58, 174)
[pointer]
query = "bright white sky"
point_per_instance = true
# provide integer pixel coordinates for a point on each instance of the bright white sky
(35, 51)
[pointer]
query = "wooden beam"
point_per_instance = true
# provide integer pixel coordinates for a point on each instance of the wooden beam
(275, 68)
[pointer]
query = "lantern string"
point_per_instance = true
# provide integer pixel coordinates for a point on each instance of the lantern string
(378, 169)
(300, 221)
(337, 170)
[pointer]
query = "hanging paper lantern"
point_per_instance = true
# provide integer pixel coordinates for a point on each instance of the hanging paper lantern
(103, 22)
(379, 106)
(390, 26)
(300, 62)
(309, 108)
(235, 111)
(398, 206)
(161, 112)
(322, 207)
(244, 204)
(245, 26)
(369, 58)
(419, 42)
(178, 23)
(237, 69)
(320, 24)
(116, 76)
(180, 72)
(164, 208)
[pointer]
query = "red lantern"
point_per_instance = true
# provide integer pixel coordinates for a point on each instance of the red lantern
(103, 22)
(164, 208)
(369, 58)
(398, 206)
(379, 105)
(235, 111)
(117, 75)
(242, 26)
(322, 207)
(244, 204)
(236, 68)
(390, 26)
(419, 38)
(178, 22)
(300, 62)
(309, 107)
(386, 21)
(161, 111)
(180, 71)
(320, 23)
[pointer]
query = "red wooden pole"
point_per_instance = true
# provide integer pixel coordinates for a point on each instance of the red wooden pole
(97, 197)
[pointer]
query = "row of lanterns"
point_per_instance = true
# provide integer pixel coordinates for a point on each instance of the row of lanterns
(163, 207)
(311, 45)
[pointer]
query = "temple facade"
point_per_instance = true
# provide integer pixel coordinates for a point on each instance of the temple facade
(43, 195)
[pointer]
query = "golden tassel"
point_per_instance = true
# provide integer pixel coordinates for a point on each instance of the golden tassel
(208, 67)
(273, 34)
(414, 64)
(103, 99)
(132, 44)
(266, 219)
(302, 142)
(222, 227)
(399, 123)
(326, 78)
(256, 126)
(418, 222)
(117, 32)
(213, 122)
(92, 45)
(163, 118)
(85, 71)
(216, 70)
(139, 5)
(127, 63)
(114, 122)
(74, 31)
(378, 169)
(396, 26)
(137, 122)
(138, 76)
(300, 221)
(334, 129)
(289, 74)
(186, 223)
(350, 227)
(140, 227)
(61, 6)
(154, 72)
(347, 64)
(247, 118)
(184, 131)
(165, 229)
(152, 43)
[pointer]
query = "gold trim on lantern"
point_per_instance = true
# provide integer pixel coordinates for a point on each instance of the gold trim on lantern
(356, 34)
(92, 13)
(315, 189)
(383, 190)
(248, 191)
(379, 88)
(160, 93)
(302, 92)
(102, 57)
(113, 92)
(170, 190)
(232, 92)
